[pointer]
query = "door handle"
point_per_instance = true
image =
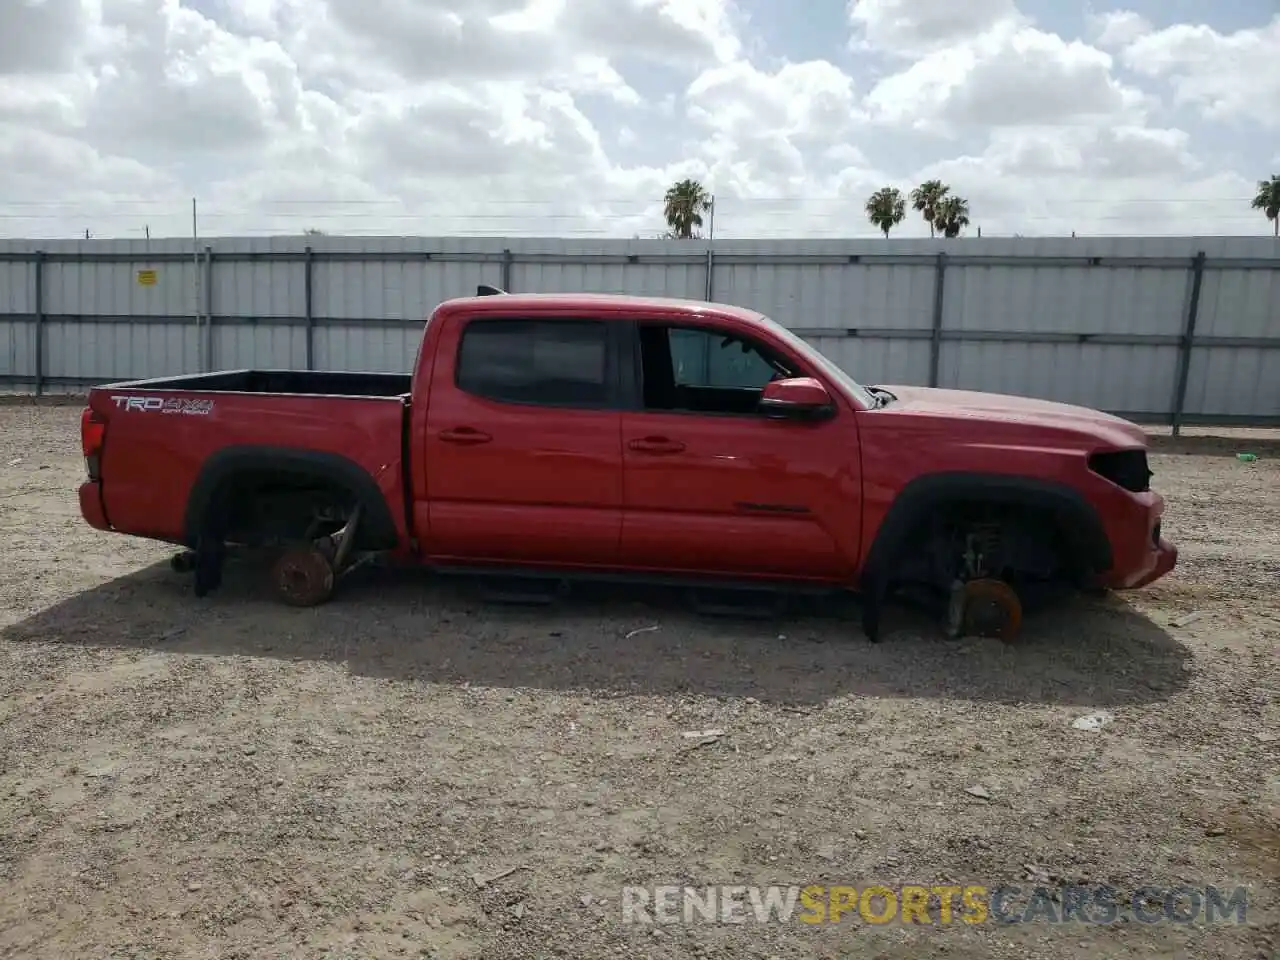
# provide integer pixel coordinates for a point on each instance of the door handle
(656, 445)
(464, 435)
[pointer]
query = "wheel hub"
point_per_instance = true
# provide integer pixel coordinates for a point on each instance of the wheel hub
(991, 609)
(303, 577)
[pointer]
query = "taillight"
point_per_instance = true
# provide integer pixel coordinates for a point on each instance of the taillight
(93, 431)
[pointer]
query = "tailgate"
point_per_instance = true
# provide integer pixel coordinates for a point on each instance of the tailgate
(158, 446)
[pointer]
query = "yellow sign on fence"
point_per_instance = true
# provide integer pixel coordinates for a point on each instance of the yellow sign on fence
(146, 278)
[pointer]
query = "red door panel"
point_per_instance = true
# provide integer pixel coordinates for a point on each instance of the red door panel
(513, 481)
(743, 496)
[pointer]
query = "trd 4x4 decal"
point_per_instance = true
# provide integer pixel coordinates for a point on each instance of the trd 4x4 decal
(185, 405)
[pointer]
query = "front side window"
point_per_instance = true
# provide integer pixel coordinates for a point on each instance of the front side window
(822, 362)
(704, 358)
(548, 362)
(702, 370)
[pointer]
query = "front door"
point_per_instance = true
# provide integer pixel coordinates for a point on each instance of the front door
(712, 486)
(523, 448)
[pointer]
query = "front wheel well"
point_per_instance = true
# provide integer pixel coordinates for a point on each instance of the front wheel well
(978, 539)
(966, 526)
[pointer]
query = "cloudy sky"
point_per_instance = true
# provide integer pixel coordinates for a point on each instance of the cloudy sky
(570, 117)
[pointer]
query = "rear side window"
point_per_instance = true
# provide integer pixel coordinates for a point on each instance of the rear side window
(551, 362)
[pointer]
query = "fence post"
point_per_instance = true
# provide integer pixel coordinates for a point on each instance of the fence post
(709, 288)
(39, 305)
(508, 259)
(208, 302)
(935, 341)
(308, 304)
(1187, 342)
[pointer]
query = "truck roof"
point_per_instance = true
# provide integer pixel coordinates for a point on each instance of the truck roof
(609, 305)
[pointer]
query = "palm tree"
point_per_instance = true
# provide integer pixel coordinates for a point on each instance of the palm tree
(886, 208)
(926, 198)
(683, 206)
(952, 216)
(1268, 201)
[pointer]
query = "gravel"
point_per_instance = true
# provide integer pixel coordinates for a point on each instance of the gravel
(414, 770)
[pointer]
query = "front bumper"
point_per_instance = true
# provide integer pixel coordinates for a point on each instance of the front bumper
(91, 505)
(1158, 561)
(1165, 559)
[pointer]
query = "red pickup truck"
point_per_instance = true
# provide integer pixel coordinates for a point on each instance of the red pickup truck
(585, 435)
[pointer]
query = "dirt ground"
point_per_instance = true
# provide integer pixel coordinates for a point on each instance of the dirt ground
(415, 771)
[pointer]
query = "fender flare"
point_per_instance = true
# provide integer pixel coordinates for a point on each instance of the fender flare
(1077, 519)
(377, 528)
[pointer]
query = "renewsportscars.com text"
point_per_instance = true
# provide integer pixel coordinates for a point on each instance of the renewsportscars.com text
(933, 904)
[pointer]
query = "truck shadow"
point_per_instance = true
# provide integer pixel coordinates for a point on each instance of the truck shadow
(411, 627)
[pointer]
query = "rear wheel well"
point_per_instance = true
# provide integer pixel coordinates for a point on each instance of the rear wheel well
(273, 507)
(263, 496)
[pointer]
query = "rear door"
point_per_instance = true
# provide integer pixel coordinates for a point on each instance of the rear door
(711, 485)
(523, 442)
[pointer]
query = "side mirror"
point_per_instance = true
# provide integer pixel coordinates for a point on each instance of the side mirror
(799, 398)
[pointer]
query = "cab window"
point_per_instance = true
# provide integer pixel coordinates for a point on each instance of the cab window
(560, 363)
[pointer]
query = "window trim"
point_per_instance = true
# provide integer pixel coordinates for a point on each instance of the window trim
(613, 367)
(634, 395)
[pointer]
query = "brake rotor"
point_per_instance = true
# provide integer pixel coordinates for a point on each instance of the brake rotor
(302, 577)
(992, 609)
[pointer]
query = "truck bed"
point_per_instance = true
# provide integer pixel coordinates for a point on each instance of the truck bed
(168, 440)
(328, 383)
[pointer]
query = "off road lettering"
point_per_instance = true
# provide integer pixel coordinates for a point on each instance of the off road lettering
(181, 405)
(192, 407)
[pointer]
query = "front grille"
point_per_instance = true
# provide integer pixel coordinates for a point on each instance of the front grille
(1125, 468)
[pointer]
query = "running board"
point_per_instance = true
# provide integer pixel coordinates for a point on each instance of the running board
(738, 602)
(687, 582)
(520, 591)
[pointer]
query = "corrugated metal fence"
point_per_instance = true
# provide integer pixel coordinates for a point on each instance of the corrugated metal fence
(1158, 329)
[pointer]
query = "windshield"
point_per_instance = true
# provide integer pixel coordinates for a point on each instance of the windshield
(816, 357)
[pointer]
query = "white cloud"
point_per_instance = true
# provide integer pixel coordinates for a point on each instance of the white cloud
(774, 134)
(1117, 28)
(813, 101)
(496, 133)
(39, 160)
(572, 116)
(176, 82)
(913, 27)
(1011, 75)
(1233, 76)
(678, 31)
(39, 36)
(1108, 180)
